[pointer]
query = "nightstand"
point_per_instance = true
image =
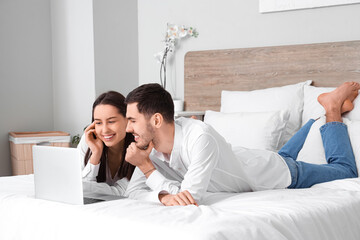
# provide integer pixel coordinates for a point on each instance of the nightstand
(21, 147)
(198, 114)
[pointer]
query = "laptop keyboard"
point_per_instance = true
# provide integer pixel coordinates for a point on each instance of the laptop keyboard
(92, 200)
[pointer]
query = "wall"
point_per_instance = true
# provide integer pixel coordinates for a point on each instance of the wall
(115, 45)
(48, 62)
(226, 24)
(94, 50)
(25, 71)
(73, 64)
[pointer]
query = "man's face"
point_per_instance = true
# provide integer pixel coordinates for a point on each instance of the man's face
(139, 126)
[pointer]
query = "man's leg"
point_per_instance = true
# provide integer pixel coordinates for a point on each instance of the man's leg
(338, 150)
(339, 155)
(292, 148)
(337, 146)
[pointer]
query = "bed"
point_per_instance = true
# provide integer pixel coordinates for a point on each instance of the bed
(325, 211)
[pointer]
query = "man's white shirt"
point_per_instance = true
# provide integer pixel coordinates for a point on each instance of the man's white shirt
(202, 161)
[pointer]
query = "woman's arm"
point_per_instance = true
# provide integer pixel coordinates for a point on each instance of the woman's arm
(118, 189)
(89, 171)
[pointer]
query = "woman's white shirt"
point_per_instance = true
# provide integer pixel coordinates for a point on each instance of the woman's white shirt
(90, 172)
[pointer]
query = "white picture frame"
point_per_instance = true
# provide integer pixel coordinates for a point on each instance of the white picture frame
(286, 5)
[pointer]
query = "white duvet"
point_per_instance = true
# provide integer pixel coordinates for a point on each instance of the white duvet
(325, 211)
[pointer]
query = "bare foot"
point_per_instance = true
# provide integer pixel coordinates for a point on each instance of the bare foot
(347, 106)
(340, 100)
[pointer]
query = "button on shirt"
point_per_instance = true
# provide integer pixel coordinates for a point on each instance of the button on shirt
(201, 160)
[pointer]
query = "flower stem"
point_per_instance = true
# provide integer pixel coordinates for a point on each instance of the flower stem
(163, 69)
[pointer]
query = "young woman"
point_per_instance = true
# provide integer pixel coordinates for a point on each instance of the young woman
(103, 146)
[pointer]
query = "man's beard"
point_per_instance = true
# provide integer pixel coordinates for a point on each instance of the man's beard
(147, 137)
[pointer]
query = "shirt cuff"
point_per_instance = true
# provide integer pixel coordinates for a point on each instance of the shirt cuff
(158, 183)
(90, 171)
(155, 181)
(154, 197)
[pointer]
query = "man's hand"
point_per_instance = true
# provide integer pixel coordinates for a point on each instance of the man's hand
(140, 158)
(182, 198)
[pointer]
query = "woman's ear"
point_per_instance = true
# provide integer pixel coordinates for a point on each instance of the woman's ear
(158, 120)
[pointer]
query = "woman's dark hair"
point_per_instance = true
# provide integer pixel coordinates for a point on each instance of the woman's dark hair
(126, 169)
(152, 98)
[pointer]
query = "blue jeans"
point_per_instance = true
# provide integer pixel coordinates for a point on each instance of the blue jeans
(338, 152)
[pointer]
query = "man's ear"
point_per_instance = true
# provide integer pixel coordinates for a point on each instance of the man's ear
(157, 120)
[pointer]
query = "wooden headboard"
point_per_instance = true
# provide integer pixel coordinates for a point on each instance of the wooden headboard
(207, 73)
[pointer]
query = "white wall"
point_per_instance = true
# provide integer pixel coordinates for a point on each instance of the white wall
(94, 50)
(25, 71)
(226, 24)
(116, 45)
(73, 64)
(47, 62)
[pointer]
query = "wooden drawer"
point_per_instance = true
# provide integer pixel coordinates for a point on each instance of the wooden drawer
(21, 147)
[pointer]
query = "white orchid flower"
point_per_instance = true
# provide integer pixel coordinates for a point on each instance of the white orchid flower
(172, 31)
(173, 35)
(183, 32)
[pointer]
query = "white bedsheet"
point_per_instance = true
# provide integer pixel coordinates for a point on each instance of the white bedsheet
(325, 211)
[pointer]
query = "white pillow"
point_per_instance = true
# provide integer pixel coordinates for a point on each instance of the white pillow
(313, 109)
(313, 149)
(287, 98)
(261, 130)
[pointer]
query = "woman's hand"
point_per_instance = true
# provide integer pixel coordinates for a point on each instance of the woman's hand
(95, 144)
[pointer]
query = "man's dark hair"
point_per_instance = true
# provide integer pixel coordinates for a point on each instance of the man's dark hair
(152, 98)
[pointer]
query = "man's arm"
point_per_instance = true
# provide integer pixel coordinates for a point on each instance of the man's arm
(203, 154)
(138, 189)
(146, 182)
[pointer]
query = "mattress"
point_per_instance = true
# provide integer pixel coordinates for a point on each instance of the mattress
(325, 211)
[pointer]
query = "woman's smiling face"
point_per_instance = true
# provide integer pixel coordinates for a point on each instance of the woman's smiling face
(110, 125)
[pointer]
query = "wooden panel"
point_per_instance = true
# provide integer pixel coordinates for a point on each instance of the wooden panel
(18, 168)
(60, 144)
(38, 134)
(207, 73)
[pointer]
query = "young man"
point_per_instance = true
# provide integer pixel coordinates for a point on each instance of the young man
(178, 161)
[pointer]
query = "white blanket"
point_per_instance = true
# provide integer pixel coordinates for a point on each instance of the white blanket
(325, 211)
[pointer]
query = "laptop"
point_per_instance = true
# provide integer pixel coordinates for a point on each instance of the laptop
(57, 176)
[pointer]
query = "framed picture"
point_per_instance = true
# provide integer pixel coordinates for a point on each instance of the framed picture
(285, 5)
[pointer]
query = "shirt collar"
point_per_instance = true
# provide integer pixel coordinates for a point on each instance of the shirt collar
(176, 147)
(177, 143)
